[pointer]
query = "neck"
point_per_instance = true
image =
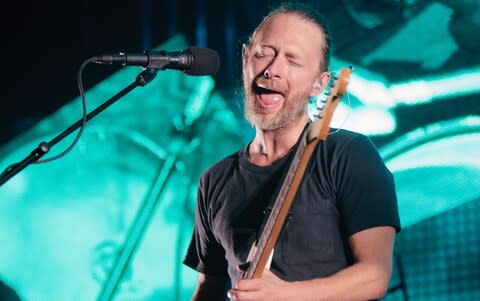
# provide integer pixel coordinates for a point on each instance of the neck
(271, 145)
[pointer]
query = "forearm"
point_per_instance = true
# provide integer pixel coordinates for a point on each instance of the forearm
(361, 281)
(365, 280)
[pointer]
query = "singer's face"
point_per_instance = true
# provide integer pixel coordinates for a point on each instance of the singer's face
(280, 69)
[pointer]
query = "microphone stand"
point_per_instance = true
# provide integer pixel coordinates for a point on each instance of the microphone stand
(145, 77)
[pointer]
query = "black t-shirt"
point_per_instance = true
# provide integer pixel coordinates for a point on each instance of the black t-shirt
(346, 189)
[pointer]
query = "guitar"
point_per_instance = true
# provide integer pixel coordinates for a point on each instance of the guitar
(261, 252)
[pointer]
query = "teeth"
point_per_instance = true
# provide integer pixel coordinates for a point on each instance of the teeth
(262, 90)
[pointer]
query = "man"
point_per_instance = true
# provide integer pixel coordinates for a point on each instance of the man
(337, 243)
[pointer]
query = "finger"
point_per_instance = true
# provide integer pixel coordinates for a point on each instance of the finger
(249, 285)
(231, 295)
(237, 295)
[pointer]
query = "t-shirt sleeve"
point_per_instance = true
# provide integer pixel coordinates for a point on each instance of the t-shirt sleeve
(204, 253)
(365, 188)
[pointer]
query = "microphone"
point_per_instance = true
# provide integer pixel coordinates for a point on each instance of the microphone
(192, 61)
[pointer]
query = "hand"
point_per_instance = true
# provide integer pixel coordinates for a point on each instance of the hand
(267, 288)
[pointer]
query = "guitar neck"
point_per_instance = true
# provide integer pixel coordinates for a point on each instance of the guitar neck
(279, 212)
(309, 140)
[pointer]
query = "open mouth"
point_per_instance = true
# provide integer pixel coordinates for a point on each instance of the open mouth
(267, 98)
(261, 89)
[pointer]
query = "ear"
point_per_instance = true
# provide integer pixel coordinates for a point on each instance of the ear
(320, 83)
(245, 53)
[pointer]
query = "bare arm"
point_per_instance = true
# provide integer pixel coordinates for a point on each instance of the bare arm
(366, 279)
(209, 288)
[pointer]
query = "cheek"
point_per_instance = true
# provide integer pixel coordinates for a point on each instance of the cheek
(247, 73)
(302, 82)
(251, 72)
(255, 67)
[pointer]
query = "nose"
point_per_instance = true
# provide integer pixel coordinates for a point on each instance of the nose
(276, 68)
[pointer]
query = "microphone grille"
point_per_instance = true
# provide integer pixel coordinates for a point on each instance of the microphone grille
(205, 61)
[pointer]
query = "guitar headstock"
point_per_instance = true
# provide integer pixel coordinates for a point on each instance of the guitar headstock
(320, 127)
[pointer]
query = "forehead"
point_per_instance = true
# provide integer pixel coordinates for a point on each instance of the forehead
(290, 30)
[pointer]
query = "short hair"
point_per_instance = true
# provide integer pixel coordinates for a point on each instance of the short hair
(308, 13)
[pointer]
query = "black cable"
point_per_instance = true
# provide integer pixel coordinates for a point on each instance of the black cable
(84, 115)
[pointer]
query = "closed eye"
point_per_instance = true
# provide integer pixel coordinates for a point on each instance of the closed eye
(294, 60)
(264, 52)
(262, 55)
(295, 63)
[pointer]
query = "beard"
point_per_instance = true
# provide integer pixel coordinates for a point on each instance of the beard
(293, 109)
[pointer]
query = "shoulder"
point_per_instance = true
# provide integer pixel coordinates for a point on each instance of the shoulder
(341, 144)
(221, 169)
(353, 159)
(340, 138)
(213, 181)
(364, 186)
